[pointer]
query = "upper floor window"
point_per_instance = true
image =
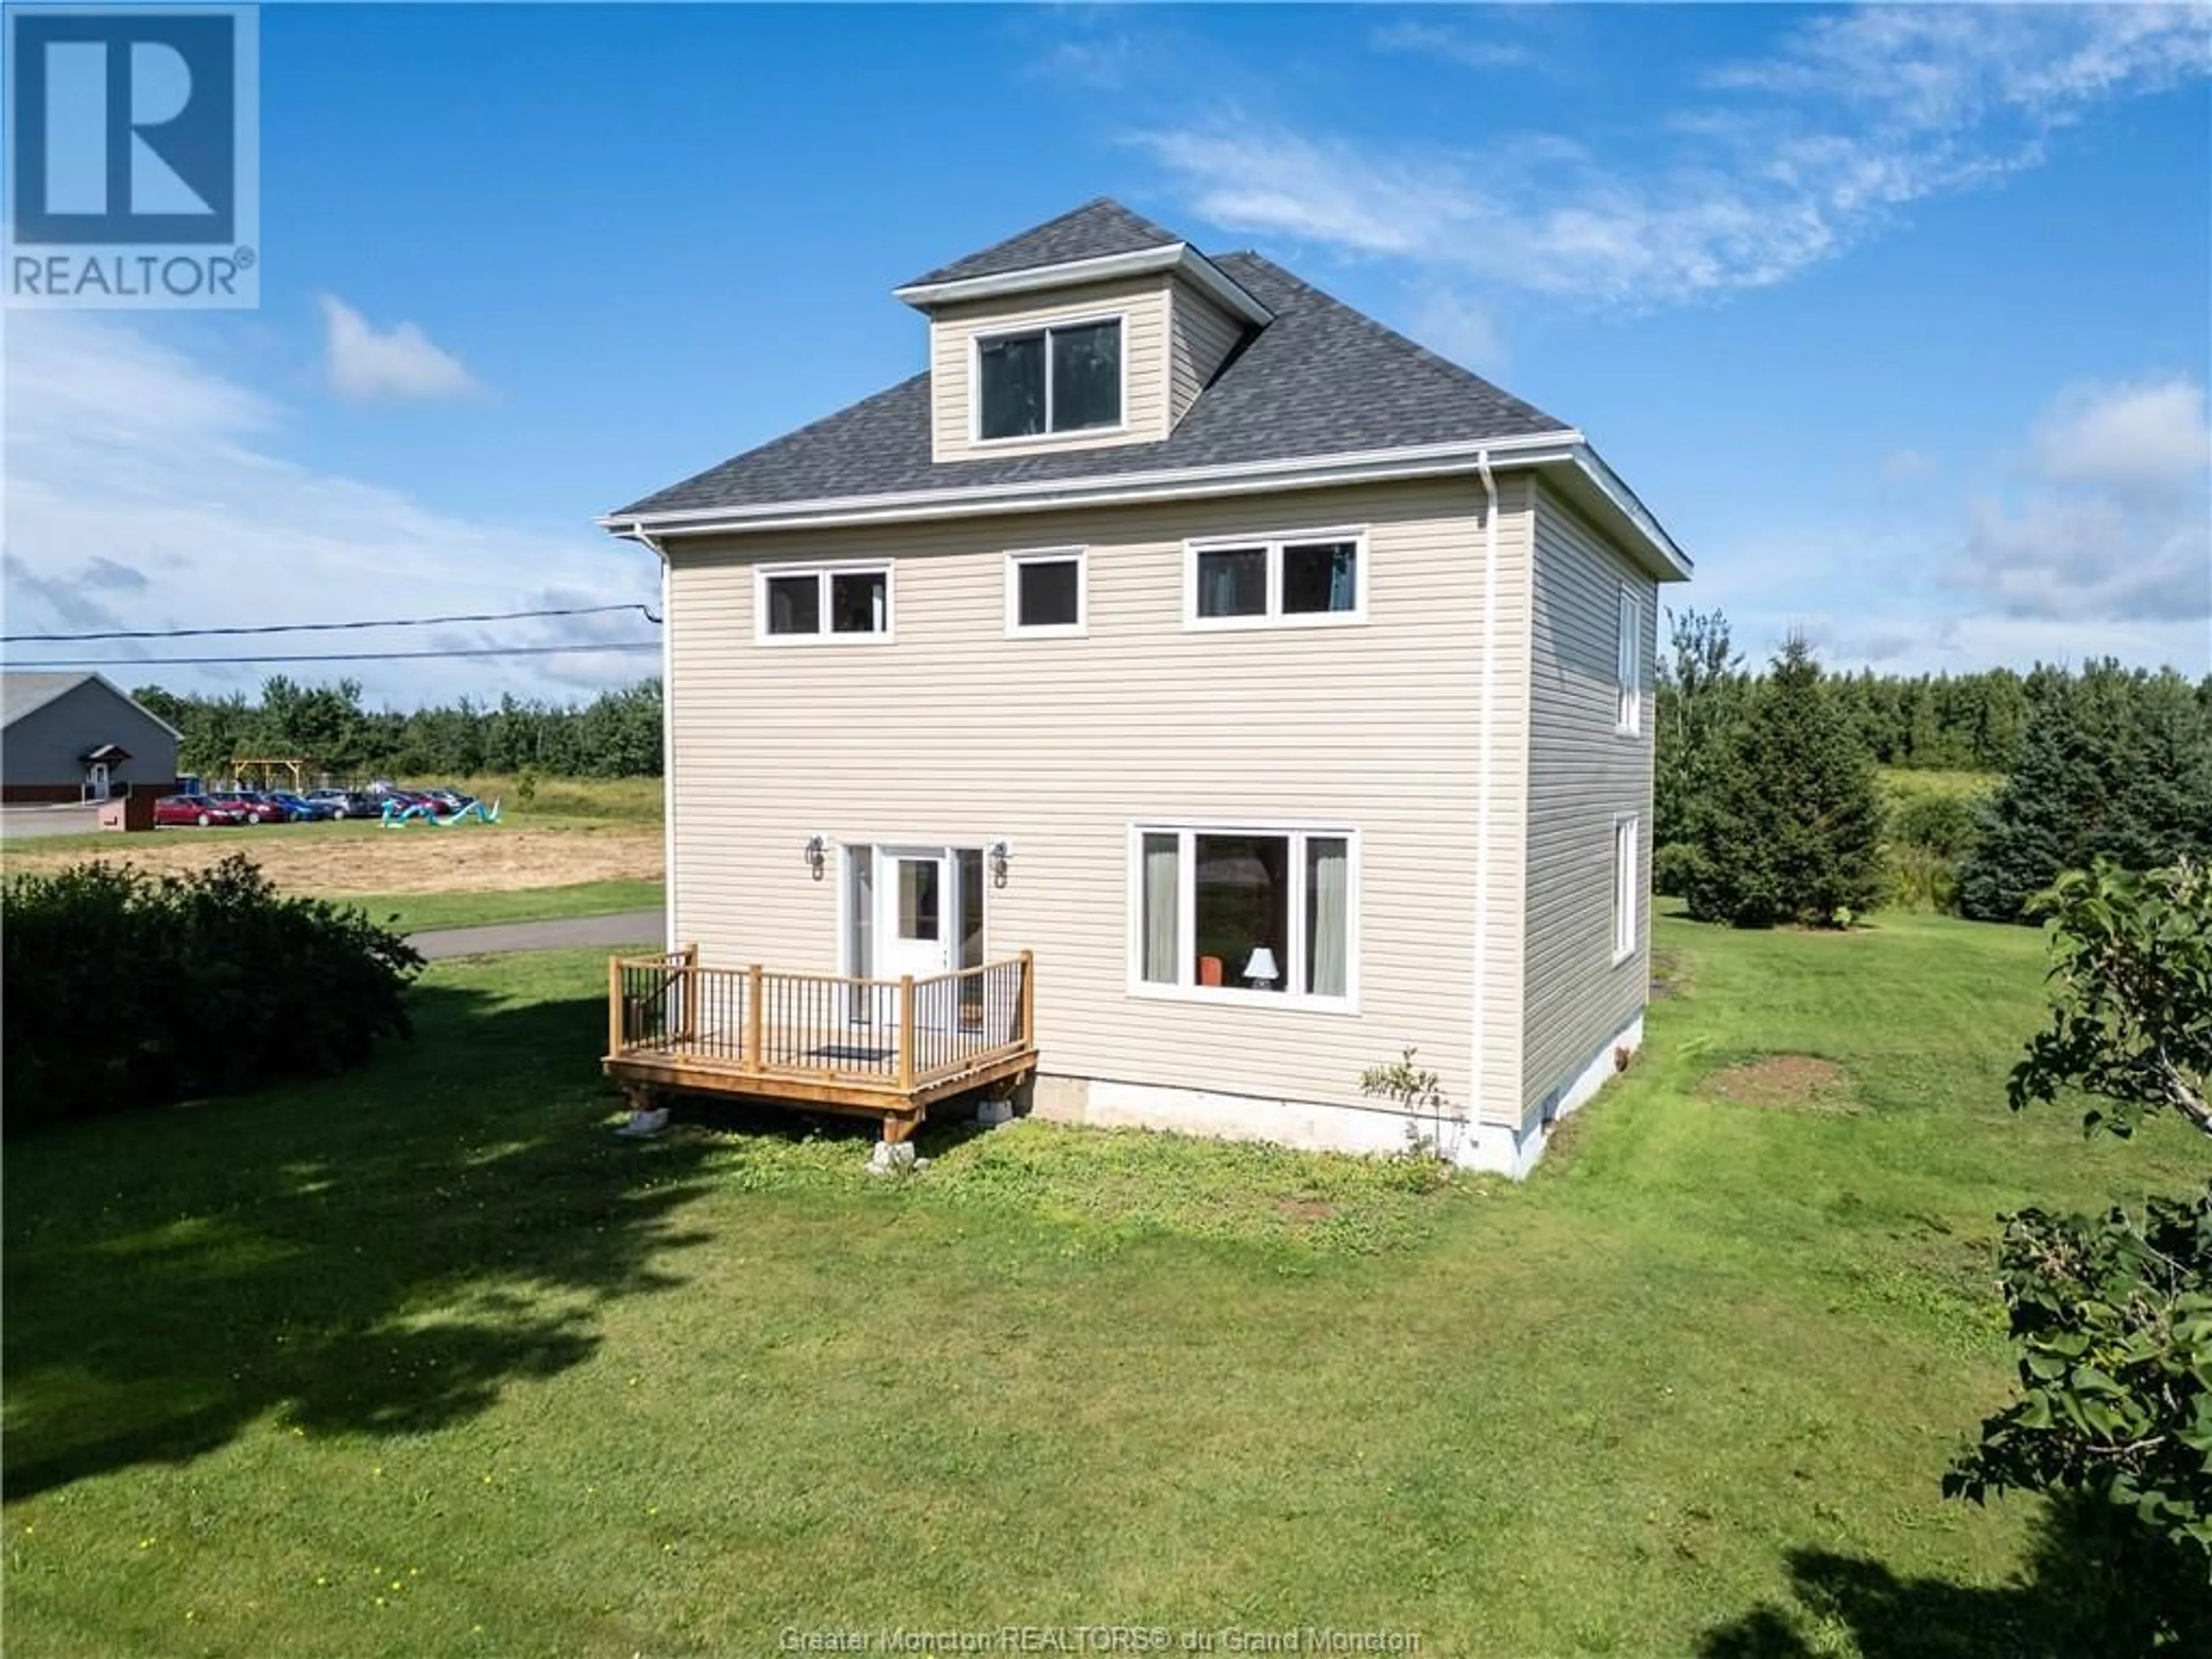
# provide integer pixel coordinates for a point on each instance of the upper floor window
(1628, 676)
(843, 603)
(1067, 377)
(1313, 577)
(1044, 592)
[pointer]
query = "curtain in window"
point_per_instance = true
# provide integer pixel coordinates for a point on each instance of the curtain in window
(1160, 910)
(1328, 916)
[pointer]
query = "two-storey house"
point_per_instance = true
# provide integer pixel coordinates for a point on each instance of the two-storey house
(1184, 695)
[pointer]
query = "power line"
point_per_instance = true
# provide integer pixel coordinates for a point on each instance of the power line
(322, 627)
(345, 656)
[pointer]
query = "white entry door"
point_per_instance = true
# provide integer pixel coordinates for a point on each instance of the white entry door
(96, 784)
(916, 920)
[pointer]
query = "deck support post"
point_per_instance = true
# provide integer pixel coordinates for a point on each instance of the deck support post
(689, 1029)
(753, 1055)
(614, 1006)
(1028, 1033)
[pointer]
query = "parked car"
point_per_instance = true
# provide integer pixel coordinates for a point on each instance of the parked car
(346, 803)
(303, 809)
(251, 806)
(202, 810)
(446, 802)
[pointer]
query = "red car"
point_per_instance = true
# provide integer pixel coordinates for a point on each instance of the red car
(201, 810)
(249, 807)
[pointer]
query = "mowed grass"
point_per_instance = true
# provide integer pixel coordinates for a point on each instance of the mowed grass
(413, 913)
(424, 1361)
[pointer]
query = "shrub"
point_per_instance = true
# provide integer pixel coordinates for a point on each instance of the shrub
(123, 989)
(1675, 868)
(2112, 1316)
(1791, 829)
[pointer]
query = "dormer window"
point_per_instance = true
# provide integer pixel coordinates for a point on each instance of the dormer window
(1066, 377)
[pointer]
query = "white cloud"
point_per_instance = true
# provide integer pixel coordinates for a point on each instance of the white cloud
(148, 489)
(1456, 45)
(1805, 153)
(2114, 520)
(401, 362)
(2147, 440)
(1905, 465)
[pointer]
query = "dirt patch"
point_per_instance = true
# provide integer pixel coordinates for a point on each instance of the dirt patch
(1305, 1209)
(1670, 975)
(421, 859)
(1792, 1082)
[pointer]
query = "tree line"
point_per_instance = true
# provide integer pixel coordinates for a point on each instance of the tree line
(616, 735)
(1768, 808)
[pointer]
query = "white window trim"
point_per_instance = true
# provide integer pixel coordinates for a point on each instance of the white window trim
(1627, 887)
(822, 570)
(1016, 558)
(1628, 663)
(1051, 433)
(1273, 544)
(1290, 999)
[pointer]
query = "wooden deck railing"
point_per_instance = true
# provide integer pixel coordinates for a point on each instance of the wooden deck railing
(894, 1035)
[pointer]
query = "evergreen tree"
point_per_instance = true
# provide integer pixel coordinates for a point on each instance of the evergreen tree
(2115, 764)
(1792, 829)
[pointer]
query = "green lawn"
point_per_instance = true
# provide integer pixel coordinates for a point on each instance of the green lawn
(412, 913)
(425, 1362)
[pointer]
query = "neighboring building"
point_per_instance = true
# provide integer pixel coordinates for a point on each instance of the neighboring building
(1284, 688)
(74, 737)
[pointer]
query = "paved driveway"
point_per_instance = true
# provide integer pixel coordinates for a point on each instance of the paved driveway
(21, 823)
(566, 932)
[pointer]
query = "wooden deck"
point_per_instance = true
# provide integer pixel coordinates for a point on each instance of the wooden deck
(878, 1048)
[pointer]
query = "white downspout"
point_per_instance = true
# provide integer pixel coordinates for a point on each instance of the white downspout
(1482, 785)
(636, 532)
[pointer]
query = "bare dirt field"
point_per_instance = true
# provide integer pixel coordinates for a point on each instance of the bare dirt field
(341, 860)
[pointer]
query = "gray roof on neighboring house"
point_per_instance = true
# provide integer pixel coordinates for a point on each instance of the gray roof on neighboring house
(1096, 230)
(1320, 380)
(23, 691)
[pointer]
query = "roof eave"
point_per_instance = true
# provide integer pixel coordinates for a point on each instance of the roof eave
(1179, 258)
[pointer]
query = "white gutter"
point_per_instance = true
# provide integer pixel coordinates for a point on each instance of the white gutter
(1181, 258)
(636, 533)
(1481, 1034)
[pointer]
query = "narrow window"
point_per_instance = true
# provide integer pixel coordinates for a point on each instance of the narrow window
(1628, 716)
(1044, 592)
(857, 601)
(1067, 377)
(1233, 581)
(1319, 577)
(1628, 888)
(1158, 924)
(1013, 369)
(795, 604)
(1244, 915)
(1086, 376)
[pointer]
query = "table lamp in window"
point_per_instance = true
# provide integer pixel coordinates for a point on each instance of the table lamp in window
(1260, 972)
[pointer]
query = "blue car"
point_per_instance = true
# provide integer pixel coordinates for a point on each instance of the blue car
(298, 808)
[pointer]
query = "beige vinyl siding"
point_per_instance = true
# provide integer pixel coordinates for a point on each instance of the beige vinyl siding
(957, 734)
(1505, 638)
(1142, 301)
(1583, 774)
(1200, 337)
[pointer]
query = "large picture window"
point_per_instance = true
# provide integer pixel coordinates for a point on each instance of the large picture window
(1284, 580)
(843, 603)
(1066, 377)
(1244, 915)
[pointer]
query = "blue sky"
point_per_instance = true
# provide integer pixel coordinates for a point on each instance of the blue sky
(1899, 316)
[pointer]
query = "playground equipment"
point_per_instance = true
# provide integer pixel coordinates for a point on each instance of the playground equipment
(397, 816)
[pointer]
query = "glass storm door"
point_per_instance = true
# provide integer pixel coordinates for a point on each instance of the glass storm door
(915, 918)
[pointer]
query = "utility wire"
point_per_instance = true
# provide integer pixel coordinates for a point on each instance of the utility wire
(322, 628)
(347, 656)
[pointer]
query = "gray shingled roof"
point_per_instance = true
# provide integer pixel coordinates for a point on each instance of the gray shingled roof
(1092, 231)
(1320, 380)
(22, 690)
